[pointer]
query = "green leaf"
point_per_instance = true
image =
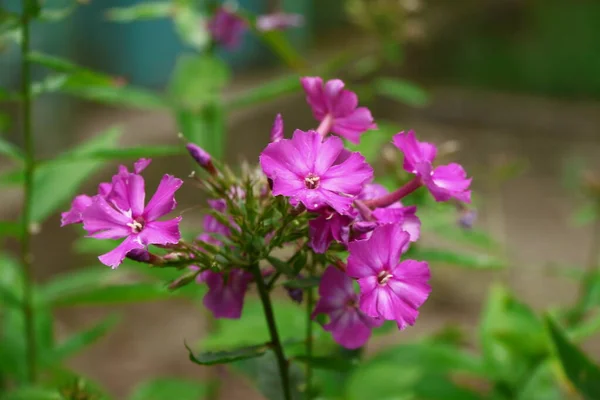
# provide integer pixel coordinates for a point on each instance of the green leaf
(129, 153)
(32, 393)
(225, 357)
(10, 150)
(81, 280)
(125, 96)
(50, 84)
(542, 384)
(114, 294)
(402, 91)
(268, 91)
(303, 283)
(170, 388)
(56, 14)
(10, 229)
(80, 340)
(281, 46)
(327, 363)
(191, 27)
(143, 11)
(465, 260)
(581, 371)
(205, 128)
(13, 177)
(585, 214)
(198, 80)
(75, 72)
(370, 145)
(281, 266)
(55, 182)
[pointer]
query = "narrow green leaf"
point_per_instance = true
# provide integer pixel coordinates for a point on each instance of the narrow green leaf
(56, 181)
(303, 283)
(225, 357)
(57, 14)
(268, 91)
(465, 260)
(114, 294)
(10, 229)
(50, 84)
(80, 340)
(125, 96)
(73, 282)
(10, 150)
(129, 153)
(191, 27)
(170, 388)
(402, 91)
(281, 46)
(8, 298)
(281, 266)
(75, 72)
(32, 393)
(142, 11)
(581, 371)
(13, 177)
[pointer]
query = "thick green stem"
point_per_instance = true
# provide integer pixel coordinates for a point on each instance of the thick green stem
(26, 255)
(275, 340)
(309, 341)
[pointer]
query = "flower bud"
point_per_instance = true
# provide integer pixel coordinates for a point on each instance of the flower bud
(144, 256)
(185, 279)
(277, 130)
(201, 157)
(467, 219)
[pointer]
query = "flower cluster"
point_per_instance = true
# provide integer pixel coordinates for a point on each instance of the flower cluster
(311, 197)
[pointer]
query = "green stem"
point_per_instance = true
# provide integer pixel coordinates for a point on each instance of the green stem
(26, 255)
(275, 340)
(309, 341)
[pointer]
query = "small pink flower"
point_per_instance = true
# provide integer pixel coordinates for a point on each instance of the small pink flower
(226, 292)
(122, 214)
(444, 182)
(278, 21)
(338, 108)
(349, 326)
(226, 27)
(304, 168)
(389, 288)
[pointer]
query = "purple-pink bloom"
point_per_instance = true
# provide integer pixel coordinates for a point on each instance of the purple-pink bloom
(226, 292)
(122, 214)
(226, 27)
(337, 108)
(389, 288)
(304, 168)
(349, 326)
(444, 182)
(278, 21)
(326, 228)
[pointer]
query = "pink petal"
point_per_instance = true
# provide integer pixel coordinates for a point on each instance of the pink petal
(333, 88)
(161, 232)
(328, 152)
(136, 194)
(315, 97)
(415, 152)
(163, 201)
(348, 329)
(226, 299)
(116, 256)
(353, 125)
(103, 221)
(141, 165)
(348, 177)
(345, 104)
(78, 206)
(449, 181)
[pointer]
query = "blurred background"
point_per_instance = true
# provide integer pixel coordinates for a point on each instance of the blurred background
(512, 85)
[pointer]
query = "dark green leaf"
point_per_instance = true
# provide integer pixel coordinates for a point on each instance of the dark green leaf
(225, 357)
(281, 266)
(55, 182)
(32, 393)
(328, 363)
(402, 91)
(142, 11)
(170, 388)
(303, 283)
(10, 228)
(581, 371)
(465, 260)
(80, 340)
(8, 298)
(10, 150)
(268, 91)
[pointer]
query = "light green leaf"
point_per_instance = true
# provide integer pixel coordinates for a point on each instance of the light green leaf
(55, 182)
(129, 153)
(32, 393)
(198, 80)
(268, 91)
(80, 340)
(57, 14)
(10, 150)
(74, 71)
(125, 96)
(191, 27)
(170, 388)
(50, 84)
(142, 11)
(581, 371)
(585, 214)
(227, 356)
(402, 91)
(114, 294)
(542, 384)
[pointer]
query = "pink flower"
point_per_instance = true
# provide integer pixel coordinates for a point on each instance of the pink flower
(445, 181)
(277, 130)
(337, 108)
(304, 169)
(349, 326)
(226, 292)
(278, 21)
(389, 288)
(326, 228)
(122, 214)
(226, 27)
(82, 202)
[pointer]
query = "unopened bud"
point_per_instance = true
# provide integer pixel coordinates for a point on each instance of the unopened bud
(296, 294)
(277, 130)
(185, 279)
(201, 157)
(467, 219)
(144, 256)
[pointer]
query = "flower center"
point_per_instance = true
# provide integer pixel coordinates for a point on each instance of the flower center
(312, 181)
(136, 225)
(383, 277)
